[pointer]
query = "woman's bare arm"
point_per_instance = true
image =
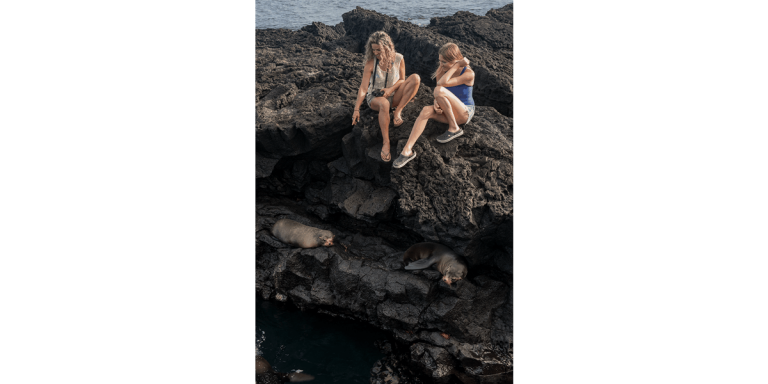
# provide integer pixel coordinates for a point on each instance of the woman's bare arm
(440, 73)
(468, 77)
(364, 84)
(367, 70)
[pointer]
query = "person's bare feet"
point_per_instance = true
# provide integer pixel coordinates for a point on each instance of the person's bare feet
(398, 118)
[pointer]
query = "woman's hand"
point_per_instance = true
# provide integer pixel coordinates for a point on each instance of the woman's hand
(355, 117)
(387, 92)
(437, 108)
(463, 62)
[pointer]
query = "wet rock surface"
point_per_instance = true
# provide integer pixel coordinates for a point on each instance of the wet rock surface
(314, 167)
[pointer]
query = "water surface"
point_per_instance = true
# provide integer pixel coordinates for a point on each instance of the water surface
(294, 14)
(333, 350)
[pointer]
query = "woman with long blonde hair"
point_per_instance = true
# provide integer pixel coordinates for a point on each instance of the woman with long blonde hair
(453, 100)
(384, 85)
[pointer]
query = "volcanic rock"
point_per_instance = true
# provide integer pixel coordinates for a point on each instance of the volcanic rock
(479, 31)
(503, 14)
(315, 167)
(304, 95)
(363, 278)
(449, 191)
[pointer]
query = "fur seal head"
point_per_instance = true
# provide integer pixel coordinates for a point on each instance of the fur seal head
(422, 255)
(326, 241)
(454, 271)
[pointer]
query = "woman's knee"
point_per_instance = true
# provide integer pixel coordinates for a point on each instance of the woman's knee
(438, 91)
(426, 112)
(415, 78)
(383, 105)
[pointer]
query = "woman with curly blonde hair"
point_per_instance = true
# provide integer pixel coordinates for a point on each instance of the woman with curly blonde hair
(384, 85)
(453, 100)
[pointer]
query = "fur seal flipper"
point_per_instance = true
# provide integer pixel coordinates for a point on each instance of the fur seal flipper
(421, 264)
(300, 235)
(422, 255)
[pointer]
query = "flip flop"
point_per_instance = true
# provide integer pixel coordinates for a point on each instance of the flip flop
(389, 157)
(403, 160)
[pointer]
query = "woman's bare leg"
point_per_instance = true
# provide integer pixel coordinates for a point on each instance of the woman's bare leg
(381, 104)
(453, 109)
(404, 95)
(427, 113)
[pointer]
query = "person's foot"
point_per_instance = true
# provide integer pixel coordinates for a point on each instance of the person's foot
(398, 118)
(448, 136)
(403, 159)
(385, 156)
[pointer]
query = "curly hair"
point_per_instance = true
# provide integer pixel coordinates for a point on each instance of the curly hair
(450, 52)
(382, 39)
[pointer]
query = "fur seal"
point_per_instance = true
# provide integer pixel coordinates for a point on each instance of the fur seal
(300, 235)
(265, 374)
(422, 255)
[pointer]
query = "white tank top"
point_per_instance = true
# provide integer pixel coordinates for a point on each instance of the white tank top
(381, 75)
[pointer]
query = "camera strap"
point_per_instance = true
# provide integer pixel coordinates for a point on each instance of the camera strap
(375, 73)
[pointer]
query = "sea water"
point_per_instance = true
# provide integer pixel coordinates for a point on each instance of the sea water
(332, 349)
(294, 14)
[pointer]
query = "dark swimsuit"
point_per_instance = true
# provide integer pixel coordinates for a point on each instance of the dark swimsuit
(464, 93)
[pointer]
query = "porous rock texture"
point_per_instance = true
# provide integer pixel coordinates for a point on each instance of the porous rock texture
(494, 30)
(315, 167)
(303, 96)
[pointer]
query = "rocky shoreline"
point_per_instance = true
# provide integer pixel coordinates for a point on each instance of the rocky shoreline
(314, 167)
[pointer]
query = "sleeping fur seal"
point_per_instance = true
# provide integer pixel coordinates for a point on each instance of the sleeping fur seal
(422, 255)
(266, 375)
(300, 235)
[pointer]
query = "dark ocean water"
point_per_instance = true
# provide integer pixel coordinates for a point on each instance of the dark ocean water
(294, 14)
(333, 350)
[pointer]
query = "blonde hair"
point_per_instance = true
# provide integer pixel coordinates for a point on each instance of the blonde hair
(388, 49)
(450, 52)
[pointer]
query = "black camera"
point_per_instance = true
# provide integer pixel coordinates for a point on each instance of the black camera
(378, 93)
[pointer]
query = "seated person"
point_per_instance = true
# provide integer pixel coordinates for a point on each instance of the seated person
(453, 100)
(384, 71)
